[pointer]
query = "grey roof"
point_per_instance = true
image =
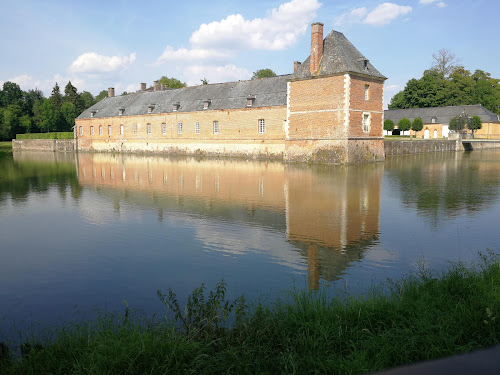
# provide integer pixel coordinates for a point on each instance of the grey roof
(442, 115)
(339, 56)
(266, 92)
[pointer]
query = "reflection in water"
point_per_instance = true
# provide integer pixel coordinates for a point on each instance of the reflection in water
(446, 184)
(330, 214)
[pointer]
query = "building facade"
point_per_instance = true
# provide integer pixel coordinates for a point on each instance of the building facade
(329, 110)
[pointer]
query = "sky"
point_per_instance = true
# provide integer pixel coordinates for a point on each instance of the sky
(101, 44)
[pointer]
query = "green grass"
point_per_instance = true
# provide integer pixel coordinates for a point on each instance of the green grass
(6, 147)
(53, 135)
(426, 316)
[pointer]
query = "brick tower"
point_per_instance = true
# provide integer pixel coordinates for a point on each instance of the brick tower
(334, 104)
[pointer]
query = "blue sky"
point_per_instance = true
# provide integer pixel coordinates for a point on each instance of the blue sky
(101, 44)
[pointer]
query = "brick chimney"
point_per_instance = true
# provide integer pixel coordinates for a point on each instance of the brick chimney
(111, 92)
(143, 86)
(296, 65)
(156, 85)
(316, 46)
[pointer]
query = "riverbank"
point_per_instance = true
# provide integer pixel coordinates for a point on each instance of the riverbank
(5, 147)
(421, 317)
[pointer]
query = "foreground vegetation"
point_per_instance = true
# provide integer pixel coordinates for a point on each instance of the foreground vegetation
(420, 317)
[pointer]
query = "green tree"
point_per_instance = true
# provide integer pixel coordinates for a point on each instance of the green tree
(68, 113)
(49, 116)
(11, 94)
(71, 95)
(458, 123)
(263, 73)
(56, 98)
(103, 94)
(87, 99)
(404, 124)
(474, 124)
(417, 125)
(204, 81)
(12, 120)
(172, 83)
(30, 99)
(388, 125)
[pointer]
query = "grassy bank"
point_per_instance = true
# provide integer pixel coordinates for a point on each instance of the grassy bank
(5, 147)
(420, 317)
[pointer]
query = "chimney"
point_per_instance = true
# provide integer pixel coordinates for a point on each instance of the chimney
(111, 92)
(316, 46)
(296, 65)
(156, 85)
(143, 87)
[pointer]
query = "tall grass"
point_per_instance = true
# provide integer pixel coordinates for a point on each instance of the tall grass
(420, 317)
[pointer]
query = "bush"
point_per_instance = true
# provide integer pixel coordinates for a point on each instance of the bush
(58, 135)
(388, 125)
(417, 125)
(404, 124)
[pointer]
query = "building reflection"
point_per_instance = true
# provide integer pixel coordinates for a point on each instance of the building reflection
(330, 214)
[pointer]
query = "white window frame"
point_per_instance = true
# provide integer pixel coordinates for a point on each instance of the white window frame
(81, 130)
(262, 126)
(367, 92)
(100, 129)
(149, 129)
(109, 129)
(216, 127)
(163, 128)
(122, 130)
(196, 127)
(92, 130)
(134, 129)
(179, 128)
(366, 122)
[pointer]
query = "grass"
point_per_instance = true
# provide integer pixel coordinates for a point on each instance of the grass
(420, 317)
(6, 147)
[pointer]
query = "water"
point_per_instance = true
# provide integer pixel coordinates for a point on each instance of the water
(86, 232)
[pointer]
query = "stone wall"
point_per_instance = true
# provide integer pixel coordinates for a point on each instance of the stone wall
(418, 146)
(60, 145)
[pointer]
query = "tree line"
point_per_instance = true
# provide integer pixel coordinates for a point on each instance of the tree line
(31, 112)
(447, 83)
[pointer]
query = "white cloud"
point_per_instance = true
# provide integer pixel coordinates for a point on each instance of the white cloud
(214, 74)
(195, 54)
(27, 82)
(92, 62)
(279, 29)
(383, 14)
(439, 4)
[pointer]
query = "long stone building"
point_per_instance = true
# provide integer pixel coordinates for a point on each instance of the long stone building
(330, 109)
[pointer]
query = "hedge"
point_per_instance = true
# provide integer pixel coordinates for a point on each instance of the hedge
(58, 135)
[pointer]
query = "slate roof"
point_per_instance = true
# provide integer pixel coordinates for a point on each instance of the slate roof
(442, 115)
(232, 95)
(339, 56)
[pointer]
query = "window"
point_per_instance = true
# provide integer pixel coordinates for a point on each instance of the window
(367, 90)
(81, 130)
(100, 129)
(179, 128)
(149, 128)
(91, 130)
(206, 103)
(134, 129)
(109, 129)
(120, 111)
(433, 120)
(163, 128)
(366, 122)
(216, 127)
(121, 129)
(262, 126)
(176, 106)
(197, 127)
(249, 102)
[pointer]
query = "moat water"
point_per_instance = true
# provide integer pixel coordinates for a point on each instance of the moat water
(80, 234)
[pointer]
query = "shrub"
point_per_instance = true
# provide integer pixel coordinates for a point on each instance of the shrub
(417, 125)
(404, 124)
(388, 125)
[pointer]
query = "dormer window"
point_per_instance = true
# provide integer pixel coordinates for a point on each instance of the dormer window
(176, 106)
(92, 113)
(433, 120)
(206, 103)
(250, 100)
(150, 108)
(364, 61)
(120, 111)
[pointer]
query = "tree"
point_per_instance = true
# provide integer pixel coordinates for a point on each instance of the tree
(172, 83)
(87, 99)
(388, 125)
(103, 94)
(263, 73)
(49, 116)
(474, 124)
(56, 98)
(458, 123)
(68, 114)
(404, 124)
(11, 94)
(204, 81)
(445, 61)
(417, 125)
(71, 95)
